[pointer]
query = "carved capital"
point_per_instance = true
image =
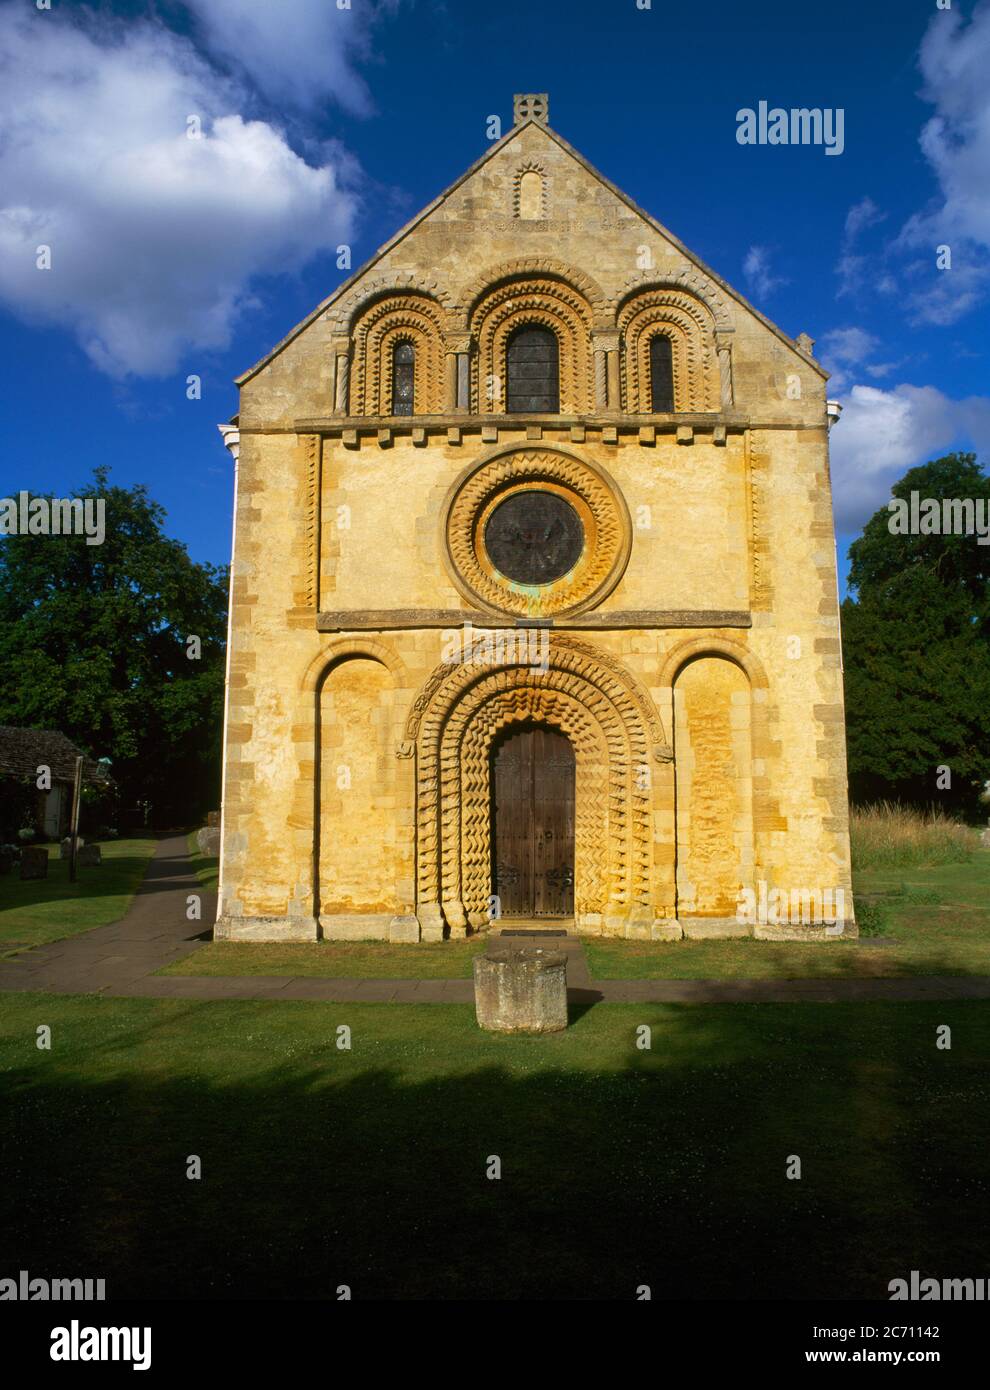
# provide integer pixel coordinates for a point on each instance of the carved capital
(458, 342)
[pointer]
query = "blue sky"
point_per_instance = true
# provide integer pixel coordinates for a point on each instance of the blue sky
(318, 126)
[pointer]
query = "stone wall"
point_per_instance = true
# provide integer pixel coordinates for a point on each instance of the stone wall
(709, 651)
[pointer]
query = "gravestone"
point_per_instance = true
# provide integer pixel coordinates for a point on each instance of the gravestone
(89, 855)
(519, 989)
(34, 861)
(65, 848)
(6, 860)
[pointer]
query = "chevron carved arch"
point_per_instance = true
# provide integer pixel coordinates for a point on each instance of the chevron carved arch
(693, 282)
(619, 745)
(551, 303)
(689, 326)
(394, 319)
(532, 267)
(342, 315)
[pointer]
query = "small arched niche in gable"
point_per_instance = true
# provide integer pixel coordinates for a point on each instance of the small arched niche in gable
(530, 193)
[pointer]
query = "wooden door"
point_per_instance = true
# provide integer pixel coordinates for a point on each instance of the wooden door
(532, 779)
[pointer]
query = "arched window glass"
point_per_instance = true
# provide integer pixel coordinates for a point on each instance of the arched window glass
(661, 375)
(403, 372)
(532, 371)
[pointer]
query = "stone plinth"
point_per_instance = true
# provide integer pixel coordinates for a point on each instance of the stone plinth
(34, 861)
(208, 841)
(521, 990)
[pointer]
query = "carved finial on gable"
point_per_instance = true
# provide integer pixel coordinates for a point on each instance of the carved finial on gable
(806, 344)
(530, 106)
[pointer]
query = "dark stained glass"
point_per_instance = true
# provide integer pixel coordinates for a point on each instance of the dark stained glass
(403, 369)
(661, 375)
(534, 537)
(532, 371)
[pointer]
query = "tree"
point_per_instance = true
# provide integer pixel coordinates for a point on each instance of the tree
(916, 644)
(94, 642)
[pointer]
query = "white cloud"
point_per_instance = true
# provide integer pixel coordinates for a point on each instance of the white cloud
(853, 266)
(954, 60)
(155, 237)
(884, 433)
(299, 51)
(861, 215)
(759, 277)
(843, 349)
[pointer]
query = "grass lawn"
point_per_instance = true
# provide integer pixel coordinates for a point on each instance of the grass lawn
(949, 936)
(353, 960)
(205, 866)
(367, 1167)
(51, 908)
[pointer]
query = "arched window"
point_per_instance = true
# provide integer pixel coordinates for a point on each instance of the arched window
(532, 371)
(403, 370)
(661, 375)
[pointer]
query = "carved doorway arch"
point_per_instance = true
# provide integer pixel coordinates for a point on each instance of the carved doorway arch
(622, 765)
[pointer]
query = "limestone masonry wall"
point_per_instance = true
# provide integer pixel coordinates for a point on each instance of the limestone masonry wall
(691, 655)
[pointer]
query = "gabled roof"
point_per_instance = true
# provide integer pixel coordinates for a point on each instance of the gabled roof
(473, 169)
(23, 751)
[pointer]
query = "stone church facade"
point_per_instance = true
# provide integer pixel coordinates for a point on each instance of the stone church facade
(534, 611)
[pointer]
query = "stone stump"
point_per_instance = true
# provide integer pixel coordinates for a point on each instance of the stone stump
(521, 989)
(208, 841)
(34, 861)
(89, 855)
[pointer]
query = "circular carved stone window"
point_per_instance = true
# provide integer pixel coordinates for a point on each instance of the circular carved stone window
(534, 537)
(535, 532)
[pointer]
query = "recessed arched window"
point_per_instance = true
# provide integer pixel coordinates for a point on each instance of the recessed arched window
(403, 372)
(532, 371)
(661, 375)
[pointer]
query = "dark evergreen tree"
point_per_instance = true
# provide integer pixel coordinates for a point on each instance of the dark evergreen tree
(916, 647)
(93, 642)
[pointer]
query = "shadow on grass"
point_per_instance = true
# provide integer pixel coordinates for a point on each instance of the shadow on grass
(619, 1167)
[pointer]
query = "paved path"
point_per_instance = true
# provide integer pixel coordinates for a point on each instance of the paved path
(121, 959)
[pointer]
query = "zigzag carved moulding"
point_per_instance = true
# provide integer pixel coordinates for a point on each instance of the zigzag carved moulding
(596, 499)
(613, 724)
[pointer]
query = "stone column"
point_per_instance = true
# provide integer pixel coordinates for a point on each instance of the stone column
(340, 347)
(608, 393)
(601, 381)
(458, 346)
(723, 345)
(450, 382)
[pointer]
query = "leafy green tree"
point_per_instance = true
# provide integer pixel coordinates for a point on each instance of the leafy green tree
(916, 645)
(94, 642)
